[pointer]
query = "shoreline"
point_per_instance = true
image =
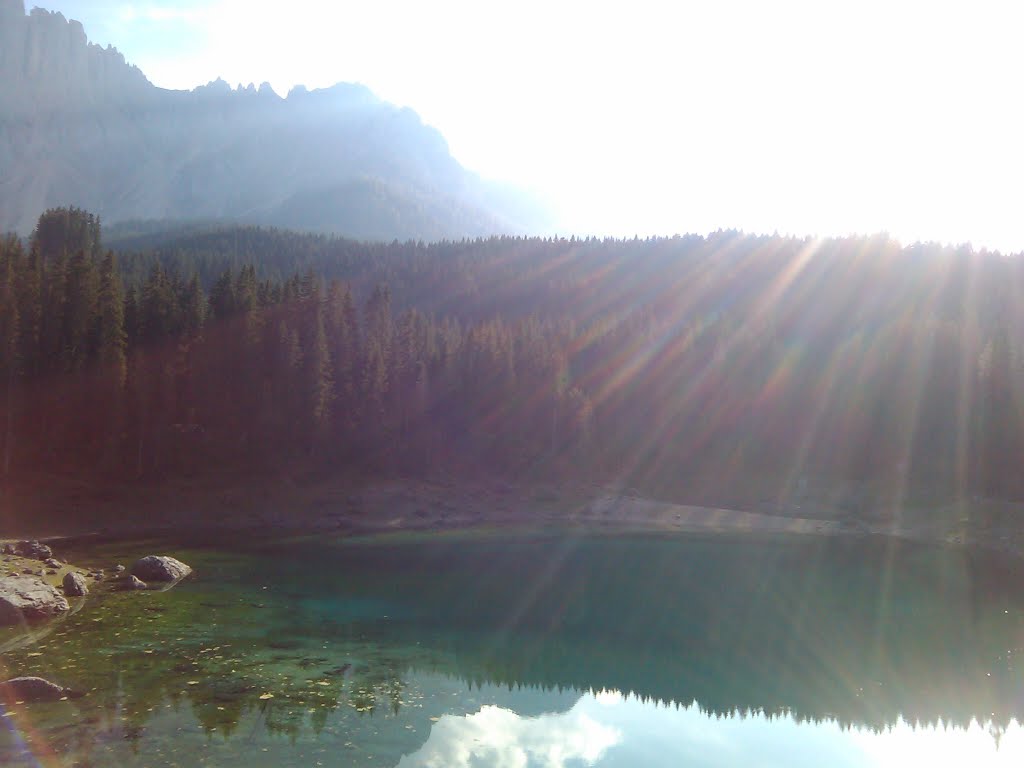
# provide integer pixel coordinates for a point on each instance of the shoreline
(287, 509)
(294, 501)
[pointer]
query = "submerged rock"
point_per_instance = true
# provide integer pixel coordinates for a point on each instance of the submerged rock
(74, 584)
(133, 582)
(160, 568)
(31, 689)
(27, 599)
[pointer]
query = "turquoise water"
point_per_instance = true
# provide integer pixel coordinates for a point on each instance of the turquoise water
(537, 649)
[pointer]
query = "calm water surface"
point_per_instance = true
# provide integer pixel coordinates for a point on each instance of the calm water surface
(537, 649)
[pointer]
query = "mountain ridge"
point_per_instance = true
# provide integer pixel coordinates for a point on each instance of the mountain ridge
(81, 126)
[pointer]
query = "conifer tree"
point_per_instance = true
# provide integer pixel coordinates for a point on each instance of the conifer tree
(319, 385)
(222, 296)
(245, 290)
(9, 337)
(52, 352)
(67, 231)
(80, 313)
(112, 361)
(374, 387)
(377, 324)
(194, 308)
(342, 325)
(157, 309)
(111, 337)
(30, 313)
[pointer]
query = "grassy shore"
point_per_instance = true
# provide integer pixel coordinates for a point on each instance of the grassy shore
(16, 564)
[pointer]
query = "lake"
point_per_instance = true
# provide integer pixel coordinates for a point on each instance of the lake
(537, 648)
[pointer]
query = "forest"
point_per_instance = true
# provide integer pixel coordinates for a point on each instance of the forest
(726, 368)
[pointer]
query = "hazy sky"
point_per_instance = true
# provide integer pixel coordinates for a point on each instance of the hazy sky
(659, 117)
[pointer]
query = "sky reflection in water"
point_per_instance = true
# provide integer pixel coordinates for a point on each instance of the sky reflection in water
(611, 730)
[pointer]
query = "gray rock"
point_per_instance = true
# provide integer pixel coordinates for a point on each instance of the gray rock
(160, 568)
(28, 599)
(133, 582)
(74, 585)
(52, 563)
(8, 549)
(119, 568)
(33, 549)
(32, 689)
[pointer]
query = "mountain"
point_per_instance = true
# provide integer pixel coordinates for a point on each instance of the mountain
(80, 126)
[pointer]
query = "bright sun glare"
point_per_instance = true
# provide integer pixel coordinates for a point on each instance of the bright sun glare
(659, 117)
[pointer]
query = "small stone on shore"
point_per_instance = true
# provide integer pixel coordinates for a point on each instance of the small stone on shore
(133, 582)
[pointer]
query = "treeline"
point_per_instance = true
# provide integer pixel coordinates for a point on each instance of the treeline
(581, 278)
(726, 368)
(164, 376)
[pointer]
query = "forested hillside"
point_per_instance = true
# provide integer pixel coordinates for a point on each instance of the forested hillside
(726, 366)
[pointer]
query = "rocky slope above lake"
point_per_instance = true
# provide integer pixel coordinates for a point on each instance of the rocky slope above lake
(80, 126)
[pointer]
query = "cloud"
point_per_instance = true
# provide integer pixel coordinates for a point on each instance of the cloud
(499, 738)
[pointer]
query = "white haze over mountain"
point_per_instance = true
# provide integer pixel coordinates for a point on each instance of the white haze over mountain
(80, 126)
(654, 116)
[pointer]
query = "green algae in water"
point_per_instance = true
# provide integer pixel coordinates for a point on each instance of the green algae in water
(431, 650)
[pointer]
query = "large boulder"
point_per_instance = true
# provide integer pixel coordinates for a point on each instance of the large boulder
(74, 584)
(160, 568)
(28, 599)
(33, 549)
(29, 689)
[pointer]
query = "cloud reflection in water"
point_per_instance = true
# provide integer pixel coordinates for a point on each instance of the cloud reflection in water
(647, 734)
(500, 738)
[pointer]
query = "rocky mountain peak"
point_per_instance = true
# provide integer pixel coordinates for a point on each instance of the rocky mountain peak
(80, 126)
(48, 65)
(11, 9)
